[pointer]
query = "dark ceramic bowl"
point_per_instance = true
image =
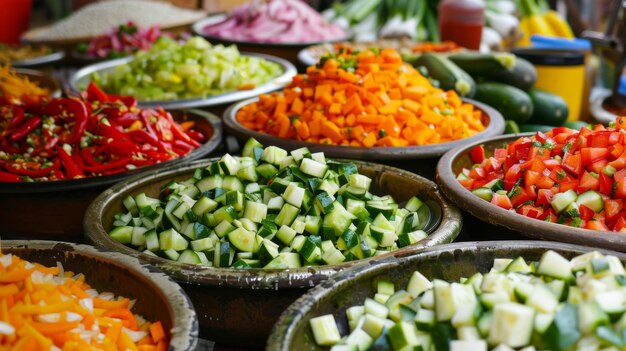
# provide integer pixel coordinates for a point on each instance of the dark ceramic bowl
(492, 118)
(446, 262)
(54, 210)
(451, 164)
(239, 307)
(121, 275)
(287, 51)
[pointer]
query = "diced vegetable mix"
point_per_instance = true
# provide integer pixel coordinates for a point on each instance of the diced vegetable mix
(554, 304)
(47, 308)
(565, 176)
(193, 69)
(44, 139)
(367, 98)
(270, 209)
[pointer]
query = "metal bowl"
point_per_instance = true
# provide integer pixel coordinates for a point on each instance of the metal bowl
(54, 210)
(447, 262)
(287, 51)
(82, 77)
(121, 275)
(239, 306)
(492, 118)
(52, 57)
(451, 164)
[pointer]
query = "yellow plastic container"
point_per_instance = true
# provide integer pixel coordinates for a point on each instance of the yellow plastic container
(561, 73)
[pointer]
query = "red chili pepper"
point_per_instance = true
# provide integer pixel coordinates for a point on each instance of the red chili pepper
(128, 101)
(178, 133)
(34, 173)
(71, 170)
(145, 118)
(120, 144)
(88, 156)
(196, 135)
(158, 155)
(78, 161)
(179, 144)
(8, 177)
(144, 137)
(110, 166)
(5, 146)
(25, 128)
(94, 93)
(17, 119)
(33, 103)
(141, 163)
(125, 119)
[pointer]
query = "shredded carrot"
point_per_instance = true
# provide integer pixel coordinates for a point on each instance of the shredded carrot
(13, 84)
(41, 308)
(367, 99)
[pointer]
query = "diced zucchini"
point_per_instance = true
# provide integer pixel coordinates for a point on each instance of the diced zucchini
(325, 330)
(512, 324)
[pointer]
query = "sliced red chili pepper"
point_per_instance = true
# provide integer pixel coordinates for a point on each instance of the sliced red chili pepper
(144, 137)
(183, 145)
(8, 177)
(110, 166)
(71, 170)
(88, 156)
(17, 118)
(141, 163)
(129, 101)
(196, 135)
(17, 168)
(178, 132)
(120, 144)
(25, 128)
(94, 93)
(5, 146)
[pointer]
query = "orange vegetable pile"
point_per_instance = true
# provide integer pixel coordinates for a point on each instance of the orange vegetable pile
(365, 98)
(13, 84)
(43, 308)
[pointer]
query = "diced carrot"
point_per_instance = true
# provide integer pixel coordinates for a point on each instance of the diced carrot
(351, 107)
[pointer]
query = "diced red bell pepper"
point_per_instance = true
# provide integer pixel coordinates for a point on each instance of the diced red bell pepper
(606, 184)
(477, 154)
(588, 181)
(572, 163)
(502, 201)
(585, 212)
(544, 196)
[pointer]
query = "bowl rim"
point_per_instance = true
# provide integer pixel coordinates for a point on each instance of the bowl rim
(284, 328)
(494, 128)
(288, 72)
(54, 56)
(184, 318)
(533, 228)
(94, 182)
(446, 231)
(199, 25)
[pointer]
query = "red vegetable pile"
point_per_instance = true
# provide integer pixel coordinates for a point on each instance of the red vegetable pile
(275, 21)
(98, 134)
(577, 178)
(122, 41)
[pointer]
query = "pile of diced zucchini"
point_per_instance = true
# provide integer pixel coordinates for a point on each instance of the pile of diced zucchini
(555, 304)
(271, 209)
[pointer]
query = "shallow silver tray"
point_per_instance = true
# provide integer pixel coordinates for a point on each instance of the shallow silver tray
(83, 76)
(52, 57)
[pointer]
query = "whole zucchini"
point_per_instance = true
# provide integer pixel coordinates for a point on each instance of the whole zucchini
(514, 104)
(548, 109)
(449, 75)
(532, 127)
(500, 67)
